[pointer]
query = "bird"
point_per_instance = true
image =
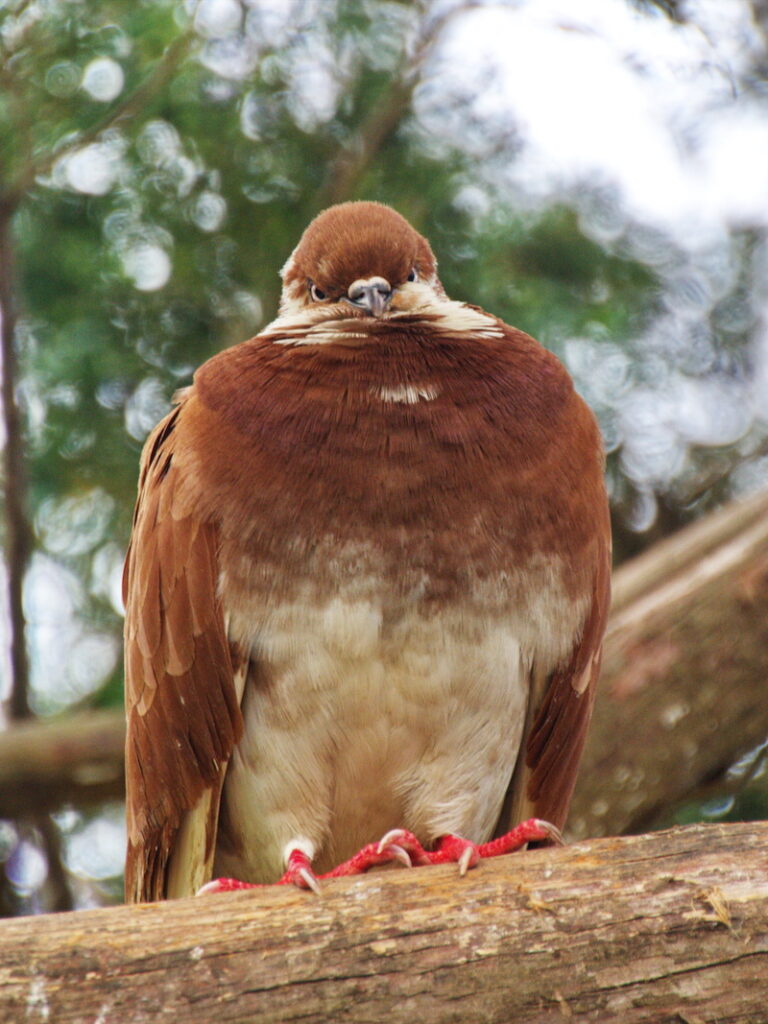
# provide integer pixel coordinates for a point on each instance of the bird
(366, 586)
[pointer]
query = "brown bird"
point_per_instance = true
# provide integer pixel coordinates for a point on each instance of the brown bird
(367, 584)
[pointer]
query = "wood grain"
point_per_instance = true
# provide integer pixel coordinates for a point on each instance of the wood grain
(670, 927)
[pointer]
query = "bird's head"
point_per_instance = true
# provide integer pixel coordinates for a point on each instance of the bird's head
(360, 259)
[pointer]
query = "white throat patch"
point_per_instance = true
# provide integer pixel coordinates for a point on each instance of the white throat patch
(325, 325)
(407, 394)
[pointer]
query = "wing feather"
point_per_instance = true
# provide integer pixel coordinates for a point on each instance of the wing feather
(182, 701)
(559, 710)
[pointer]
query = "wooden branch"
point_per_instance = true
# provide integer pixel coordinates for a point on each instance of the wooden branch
(682, 693)
(669, 927)
(351, 163)
(77, 759)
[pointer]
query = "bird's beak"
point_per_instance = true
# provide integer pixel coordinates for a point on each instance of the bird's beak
(371, 294)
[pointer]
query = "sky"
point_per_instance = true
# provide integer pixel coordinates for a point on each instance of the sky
(603, 92)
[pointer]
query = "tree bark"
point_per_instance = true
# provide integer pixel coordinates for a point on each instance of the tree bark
(670, 927)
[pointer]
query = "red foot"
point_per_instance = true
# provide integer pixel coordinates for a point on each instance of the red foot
(299, 871)
(371, 856)
(455, 850)
(402, 846)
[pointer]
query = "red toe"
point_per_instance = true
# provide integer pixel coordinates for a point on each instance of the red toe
(224, 885)
(456, 850)
(450, 849)
(299, 873)
(532, 830)
(371, 856)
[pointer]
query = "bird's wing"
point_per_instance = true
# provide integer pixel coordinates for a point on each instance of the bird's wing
(559, 709)
(181, 692)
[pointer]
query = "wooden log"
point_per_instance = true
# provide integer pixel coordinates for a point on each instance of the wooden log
(683, 688)
(661, 928)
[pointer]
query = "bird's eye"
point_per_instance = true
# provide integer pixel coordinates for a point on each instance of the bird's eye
(414, 275)
(317, 294)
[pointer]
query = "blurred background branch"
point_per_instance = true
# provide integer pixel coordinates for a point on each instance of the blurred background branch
(350, 165)
(682, 698)
(76, 760)
(136, 104)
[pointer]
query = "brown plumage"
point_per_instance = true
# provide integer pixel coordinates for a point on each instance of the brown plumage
(368, 577)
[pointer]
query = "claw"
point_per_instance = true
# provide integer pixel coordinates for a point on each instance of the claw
(402, 839)
(553, 832)
(466, 859)
(309, 880)
(392, 838)
(399, 854)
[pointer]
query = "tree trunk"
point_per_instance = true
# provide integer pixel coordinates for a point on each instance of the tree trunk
(670, 927)
(17, 529)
